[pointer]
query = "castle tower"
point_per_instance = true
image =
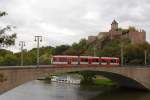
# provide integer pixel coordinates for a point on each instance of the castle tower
(114, 32)
(114, 25)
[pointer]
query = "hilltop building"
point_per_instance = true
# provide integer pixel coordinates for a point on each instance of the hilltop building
(136, 36)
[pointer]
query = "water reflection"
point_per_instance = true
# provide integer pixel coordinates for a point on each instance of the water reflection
(123, 95)
(38, 90)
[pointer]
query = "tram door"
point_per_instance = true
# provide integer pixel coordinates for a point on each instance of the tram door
(69, 60)
(90, 60)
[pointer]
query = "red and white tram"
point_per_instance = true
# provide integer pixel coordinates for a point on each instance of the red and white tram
(62, 59)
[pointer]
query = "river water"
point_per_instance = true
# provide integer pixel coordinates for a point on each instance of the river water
(38, 90)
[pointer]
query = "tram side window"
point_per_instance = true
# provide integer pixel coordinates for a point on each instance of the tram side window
(103, 61)
(62, 59)
(113, 60)
(74, 59)
(117, 61)
(84, 59)
(95, 60)
(54, 59)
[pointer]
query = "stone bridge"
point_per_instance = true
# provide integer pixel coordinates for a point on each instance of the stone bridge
(135, 77)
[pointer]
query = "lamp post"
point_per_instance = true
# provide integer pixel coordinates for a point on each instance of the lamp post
(38, 39)
(22, 44)
(122, 58)
(94, 51)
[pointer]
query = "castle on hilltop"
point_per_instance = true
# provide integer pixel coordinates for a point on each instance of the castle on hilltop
(134, 35)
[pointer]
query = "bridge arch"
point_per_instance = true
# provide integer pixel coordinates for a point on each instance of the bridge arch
(122, 81)
(125, 76)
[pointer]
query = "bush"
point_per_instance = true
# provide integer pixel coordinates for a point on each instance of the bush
(10, 60)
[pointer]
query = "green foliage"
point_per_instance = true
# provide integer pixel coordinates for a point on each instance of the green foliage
(10, 60)
(88, 77)
(112, 48)
(134, 54)
(4, 52)
(7, 58)
(30, 57)
(6, 39)
(4, 55)
(2, 13)
(59, 50)
(104, 82)
(45, 59)
(77, 48)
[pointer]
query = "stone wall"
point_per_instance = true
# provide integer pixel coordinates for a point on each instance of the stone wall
(91, 38)
(115, 34)
(137, 37)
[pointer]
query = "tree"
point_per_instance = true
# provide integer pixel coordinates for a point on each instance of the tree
(30, 57)
(10, 60)
(6, 39)
(88, 77)
(134, 53)
(78, 48)
(45, 59)
(59, 50)
(2, 13)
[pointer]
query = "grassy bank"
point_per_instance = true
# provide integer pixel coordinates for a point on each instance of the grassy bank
(98, 84)
(104, 82)
(98, 81)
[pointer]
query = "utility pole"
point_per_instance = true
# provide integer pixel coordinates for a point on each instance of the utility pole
(94, 51)
(122, 58)
(38, 39)
(145, 54)
(22, 44)
(122, 50)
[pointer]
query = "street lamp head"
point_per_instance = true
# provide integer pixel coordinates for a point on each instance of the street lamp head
(35, 39)
(38, 38)
(21, 43)
(41, 40)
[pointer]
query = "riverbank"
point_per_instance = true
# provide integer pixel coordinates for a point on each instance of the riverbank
(96, 82)
(104, 82)
(99, 83)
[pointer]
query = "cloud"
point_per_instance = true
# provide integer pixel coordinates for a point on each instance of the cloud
(67, 21)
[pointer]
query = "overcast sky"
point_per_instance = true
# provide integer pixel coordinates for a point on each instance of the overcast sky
(67, 21)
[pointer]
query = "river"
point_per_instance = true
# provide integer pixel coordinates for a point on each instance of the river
(39, 90)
